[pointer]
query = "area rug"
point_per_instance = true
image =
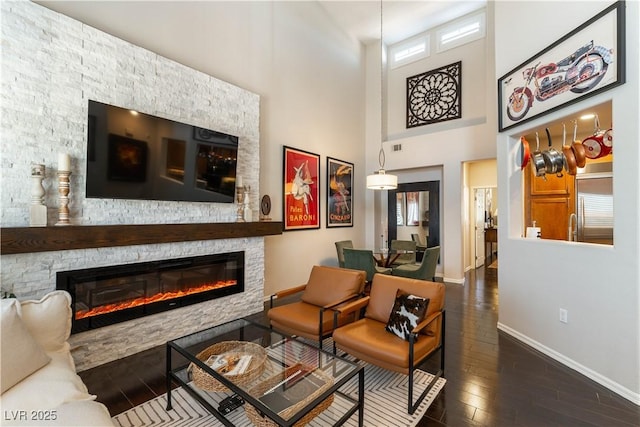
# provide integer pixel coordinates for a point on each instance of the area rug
(494, 264)
(385, 404)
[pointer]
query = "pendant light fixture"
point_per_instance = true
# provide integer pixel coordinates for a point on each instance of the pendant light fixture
(380, 180)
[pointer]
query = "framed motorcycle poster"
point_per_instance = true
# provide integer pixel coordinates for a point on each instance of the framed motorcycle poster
(588, 60)
(339, 193)
(301, 177)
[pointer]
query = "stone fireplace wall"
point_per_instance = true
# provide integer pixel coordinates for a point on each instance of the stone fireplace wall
(51, 66)
(112, 342)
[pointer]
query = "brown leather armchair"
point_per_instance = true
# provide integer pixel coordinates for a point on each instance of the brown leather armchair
(367, 339)
(326, 289)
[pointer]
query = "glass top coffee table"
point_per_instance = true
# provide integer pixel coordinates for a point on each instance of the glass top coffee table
(275, 379)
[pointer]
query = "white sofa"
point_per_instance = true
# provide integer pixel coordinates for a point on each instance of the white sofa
(39, 383)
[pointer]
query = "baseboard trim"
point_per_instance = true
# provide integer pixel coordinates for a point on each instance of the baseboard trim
(570, 363)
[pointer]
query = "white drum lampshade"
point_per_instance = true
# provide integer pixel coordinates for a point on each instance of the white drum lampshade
(381, 181)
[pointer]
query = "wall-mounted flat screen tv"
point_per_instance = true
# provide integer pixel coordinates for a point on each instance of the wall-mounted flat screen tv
(132, 155)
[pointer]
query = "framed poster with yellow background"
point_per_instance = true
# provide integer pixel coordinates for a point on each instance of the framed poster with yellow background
(339, 193)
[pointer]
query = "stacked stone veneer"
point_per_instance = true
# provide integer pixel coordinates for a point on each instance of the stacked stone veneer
(51, 66)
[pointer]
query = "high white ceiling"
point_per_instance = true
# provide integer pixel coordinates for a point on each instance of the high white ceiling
(401, 19)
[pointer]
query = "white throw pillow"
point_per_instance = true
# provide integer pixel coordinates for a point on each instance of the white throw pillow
(49, 319)
(20, 354)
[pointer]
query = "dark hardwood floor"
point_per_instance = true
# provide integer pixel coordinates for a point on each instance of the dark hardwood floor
(492, 379)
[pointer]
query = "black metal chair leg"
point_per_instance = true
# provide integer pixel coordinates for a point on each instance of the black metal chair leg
(411, 406)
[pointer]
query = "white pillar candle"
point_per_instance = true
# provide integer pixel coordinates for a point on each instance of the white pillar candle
(239, 181)
(64, 162)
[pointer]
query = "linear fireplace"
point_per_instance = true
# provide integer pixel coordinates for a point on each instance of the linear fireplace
(107, 295)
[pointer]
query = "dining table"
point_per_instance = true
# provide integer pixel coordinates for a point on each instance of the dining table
(385, 258)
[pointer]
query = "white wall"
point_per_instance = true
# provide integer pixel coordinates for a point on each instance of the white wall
(310, 79)
(446, 145)
(598, 285)
(483, 174)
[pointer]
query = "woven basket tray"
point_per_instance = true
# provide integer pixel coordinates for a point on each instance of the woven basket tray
(205, 381)
(261, 421)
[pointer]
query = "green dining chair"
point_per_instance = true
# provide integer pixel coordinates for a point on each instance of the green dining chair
(362, 259)
(426, 270)
(420, 247)
(339, 249)
(407, 250)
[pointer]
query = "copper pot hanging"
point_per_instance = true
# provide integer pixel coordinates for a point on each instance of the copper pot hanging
(577, 147)
(569, 156)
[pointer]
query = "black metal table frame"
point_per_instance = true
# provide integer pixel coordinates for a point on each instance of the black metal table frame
(173, 376)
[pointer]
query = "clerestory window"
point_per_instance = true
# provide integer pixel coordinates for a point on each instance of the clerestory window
(409, 50)
(462, 31)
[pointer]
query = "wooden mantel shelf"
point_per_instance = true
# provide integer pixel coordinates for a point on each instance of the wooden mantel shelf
(21, 240)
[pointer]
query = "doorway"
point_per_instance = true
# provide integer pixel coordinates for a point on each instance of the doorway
(478, 176)
(485, 224)
(478, 198)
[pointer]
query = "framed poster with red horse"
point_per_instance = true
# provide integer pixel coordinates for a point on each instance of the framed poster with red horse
(301, 177)
(339, 193)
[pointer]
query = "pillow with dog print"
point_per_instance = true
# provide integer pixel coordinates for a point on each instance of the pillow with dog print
(408, 310)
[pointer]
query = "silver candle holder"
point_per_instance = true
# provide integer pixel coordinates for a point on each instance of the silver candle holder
(242, 196)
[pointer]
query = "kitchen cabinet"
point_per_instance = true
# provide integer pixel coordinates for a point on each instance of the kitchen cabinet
(551, 214)
(551, 186)
(549, 203)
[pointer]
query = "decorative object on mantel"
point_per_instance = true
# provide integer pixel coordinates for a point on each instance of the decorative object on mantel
(64, 171)
(265, 208)
(37, 210)
(240, 199)
(246, 213)
(380, 180)
(435, 96)
(241, 196)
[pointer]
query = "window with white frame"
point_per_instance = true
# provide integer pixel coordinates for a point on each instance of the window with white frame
(461, 31)
(409, 50)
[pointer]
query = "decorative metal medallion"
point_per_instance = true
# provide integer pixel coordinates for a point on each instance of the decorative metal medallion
(435, 96)
(265, 205)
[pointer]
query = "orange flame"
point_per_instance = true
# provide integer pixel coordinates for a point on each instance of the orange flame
(161, 296)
